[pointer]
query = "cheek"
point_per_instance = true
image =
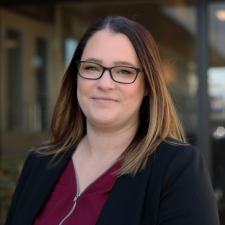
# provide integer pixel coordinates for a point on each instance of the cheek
(84, 87)
(82, 91)
(80, 84)
(134, 96)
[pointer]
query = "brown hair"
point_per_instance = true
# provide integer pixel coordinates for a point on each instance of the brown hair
(158, 118)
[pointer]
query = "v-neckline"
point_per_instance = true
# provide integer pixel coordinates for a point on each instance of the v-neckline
(95, 180)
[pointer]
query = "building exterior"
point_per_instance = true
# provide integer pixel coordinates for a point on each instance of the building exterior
(37, 41)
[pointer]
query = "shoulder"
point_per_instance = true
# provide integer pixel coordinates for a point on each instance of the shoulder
(181, 166)
(176, 161)
(173, 150)
(34, 157)
(41, 168)
(34, 164)
(37, 163)
(173, 146)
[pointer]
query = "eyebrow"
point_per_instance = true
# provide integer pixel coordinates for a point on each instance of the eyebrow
(99, 61)
(94, 60)
(124, 63)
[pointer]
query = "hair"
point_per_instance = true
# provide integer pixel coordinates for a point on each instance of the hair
(158, 117)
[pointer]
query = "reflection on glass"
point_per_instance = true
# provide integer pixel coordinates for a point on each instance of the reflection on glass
(216, 91)
(70, 47)
(220, 14)
(185, 80)
(183, 15)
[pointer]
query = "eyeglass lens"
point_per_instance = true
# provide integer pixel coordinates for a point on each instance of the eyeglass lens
(94, 71)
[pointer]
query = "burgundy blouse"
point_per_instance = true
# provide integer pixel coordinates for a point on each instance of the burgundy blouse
(58, 209)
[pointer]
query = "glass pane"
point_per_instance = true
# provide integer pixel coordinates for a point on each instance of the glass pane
(41, 80)
(14, 81)
(216, 92)
(25, 70)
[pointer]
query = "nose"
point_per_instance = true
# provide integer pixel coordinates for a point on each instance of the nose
(106, 82)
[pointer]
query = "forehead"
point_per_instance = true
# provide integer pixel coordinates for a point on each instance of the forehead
(108, 46)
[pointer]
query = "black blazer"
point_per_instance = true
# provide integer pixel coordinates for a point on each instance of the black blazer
(174, 189)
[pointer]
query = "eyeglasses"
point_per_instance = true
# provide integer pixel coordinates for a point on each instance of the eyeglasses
(119, 74)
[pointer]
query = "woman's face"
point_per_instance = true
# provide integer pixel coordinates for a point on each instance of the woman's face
(104, 102)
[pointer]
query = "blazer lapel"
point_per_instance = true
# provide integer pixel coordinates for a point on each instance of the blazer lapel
(42, 185)
(119, 206)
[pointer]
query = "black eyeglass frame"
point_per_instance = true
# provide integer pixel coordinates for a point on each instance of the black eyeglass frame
(78, 62)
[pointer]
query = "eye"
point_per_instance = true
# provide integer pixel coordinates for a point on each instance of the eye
(123, 71)
(92, 68)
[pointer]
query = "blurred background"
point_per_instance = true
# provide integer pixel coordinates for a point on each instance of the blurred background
(37, 41)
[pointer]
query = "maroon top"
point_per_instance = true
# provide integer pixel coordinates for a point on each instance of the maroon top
(89, 204)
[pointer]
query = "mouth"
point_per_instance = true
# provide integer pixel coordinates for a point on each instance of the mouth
(104, 100)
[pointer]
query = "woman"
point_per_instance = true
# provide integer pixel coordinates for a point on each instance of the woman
(117, 153)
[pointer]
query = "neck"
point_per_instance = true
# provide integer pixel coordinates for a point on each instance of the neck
(102, 144)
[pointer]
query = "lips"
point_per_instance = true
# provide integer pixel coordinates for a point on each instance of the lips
(104, 100)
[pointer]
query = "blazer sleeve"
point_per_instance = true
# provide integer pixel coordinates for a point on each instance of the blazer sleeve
(187, 195)
(19, 188)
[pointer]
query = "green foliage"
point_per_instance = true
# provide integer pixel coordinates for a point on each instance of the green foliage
(9, 174)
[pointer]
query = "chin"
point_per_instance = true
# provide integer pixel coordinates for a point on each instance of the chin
(103, 116)
(103, 121)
